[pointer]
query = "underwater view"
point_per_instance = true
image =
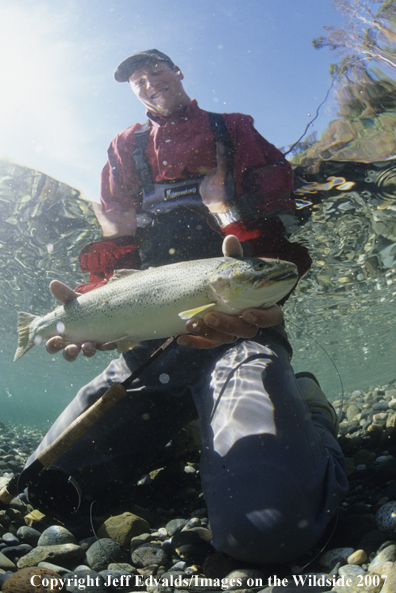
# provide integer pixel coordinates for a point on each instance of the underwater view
(339, 137)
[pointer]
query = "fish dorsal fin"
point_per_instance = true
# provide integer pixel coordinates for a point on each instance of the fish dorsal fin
(194, 312)
(118, 274)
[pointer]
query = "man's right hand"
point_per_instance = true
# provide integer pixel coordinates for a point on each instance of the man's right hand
(64, 294)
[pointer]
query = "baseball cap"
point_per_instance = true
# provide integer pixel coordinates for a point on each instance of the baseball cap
(129, 65)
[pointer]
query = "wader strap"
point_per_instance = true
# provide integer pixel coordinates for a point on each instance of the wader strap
(218, 127)
(139, 157)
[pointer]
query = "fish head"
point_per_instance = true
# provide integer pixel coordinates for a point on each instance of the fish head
(252, 282)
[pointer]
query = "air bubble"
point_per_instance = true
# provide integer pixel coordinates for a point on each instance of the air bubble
(164, 378)
(60, 327)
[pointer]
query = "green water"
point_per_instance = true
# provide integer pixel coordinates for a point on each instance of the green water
(345, 304)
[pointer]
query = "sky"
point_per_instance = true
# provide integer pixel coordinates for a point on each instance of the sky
(60, 106)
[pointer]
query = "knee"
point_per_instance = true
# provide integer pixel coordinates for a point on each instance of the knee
(268, 536)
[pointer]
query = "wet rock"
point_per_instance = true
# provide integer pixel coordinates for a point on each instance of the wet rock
(175, 525)
(390, 583)
(330, 558)
(372, 540)
(122, 528)
(148, 554)
(103, 552)
(190, 546)
(237, 579)
(33, 579)
(89, 581)
(56, 536)
(388, 554)
(65, 555)
(385, 517)
(357, 557)
(10, 539)
(28, 535)
(6, 564)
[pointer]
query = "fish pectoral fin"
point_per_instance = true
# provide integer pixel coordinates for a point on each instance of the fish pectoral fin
(125, 345)
(194, 312)
(118, 274)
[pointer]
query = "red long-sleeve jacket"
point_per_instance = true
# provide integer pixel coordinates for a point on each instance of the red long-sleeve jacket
(181, 147)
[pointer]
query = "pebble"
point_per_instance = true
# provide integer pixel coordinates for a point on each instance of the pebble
(385, 517)
(363, 543)
(122, 528)
(104, 551)
(330, 558)
(56, 536)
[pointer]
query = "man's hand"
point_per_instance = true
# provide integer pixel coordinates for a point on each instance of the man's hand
(218, 328)
(213, 187)
(115, 223)
(64, 294)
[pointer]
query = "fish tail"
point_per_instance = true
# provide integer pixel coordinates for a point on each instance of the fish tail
(25, 340)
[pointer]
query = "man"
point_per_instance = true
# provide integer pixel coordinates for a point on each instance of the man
(271, 469)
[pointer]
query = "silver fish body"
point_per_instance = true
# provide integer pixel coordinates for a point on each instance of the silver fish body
(155, 303)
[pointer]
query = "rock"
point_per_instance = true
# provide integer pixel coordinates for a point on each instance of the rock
(330, 558)
(148, 554)
(56, 536)
(380, 417)
(388, 554)
(65, 555)
(13, 553)
(241, 576)
(385, 517)
(103, 552)
(58, 569)
(88, 581)
(381, 405)
(33, 579)
(390, 583)
(357, 557)
(352, 411)
(217, 565)
(190, 546)
(10, 539)
(122, 528)
(6, 564)
(371, 541)
(363, 456)
(28, 535)
(175, 525)
(144, 538)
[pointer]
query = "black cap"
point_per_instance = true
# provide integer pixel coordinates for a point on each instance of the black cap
(125, 70)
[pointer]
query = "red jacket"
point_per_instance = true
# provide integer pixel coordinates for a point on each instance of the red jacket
(181, 147)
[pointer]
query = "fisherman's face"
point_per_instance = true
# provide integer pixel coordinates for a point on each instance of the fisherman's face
(158, 86)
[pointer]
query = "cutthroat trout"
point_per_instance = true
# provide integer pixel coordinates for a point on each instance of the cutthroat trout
(155, 303)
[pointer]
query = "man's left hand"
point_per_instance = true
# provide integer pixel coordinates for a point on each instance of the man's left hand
(218, 328)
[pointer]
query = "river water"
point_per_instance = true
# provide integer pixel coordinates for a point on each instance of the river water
(340, 319)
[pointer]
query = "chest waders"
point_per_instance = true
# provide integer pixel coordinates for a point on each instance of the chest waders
(190, 229)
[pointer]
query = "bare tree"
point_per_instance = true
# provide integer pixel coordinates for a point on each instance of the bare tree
(366, 35)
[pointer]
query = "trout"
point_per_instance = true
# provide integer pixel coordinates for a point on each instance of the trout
(138, 305)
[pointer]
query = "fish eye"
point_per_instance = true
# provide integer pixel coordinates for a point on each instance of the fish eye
(260, 265)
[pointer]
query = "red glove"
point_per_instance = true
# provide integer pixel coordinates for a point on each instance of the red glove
(100, 259)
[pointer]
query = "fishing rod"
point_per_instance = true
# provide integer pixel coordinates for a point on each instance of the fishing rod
(78, 428)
